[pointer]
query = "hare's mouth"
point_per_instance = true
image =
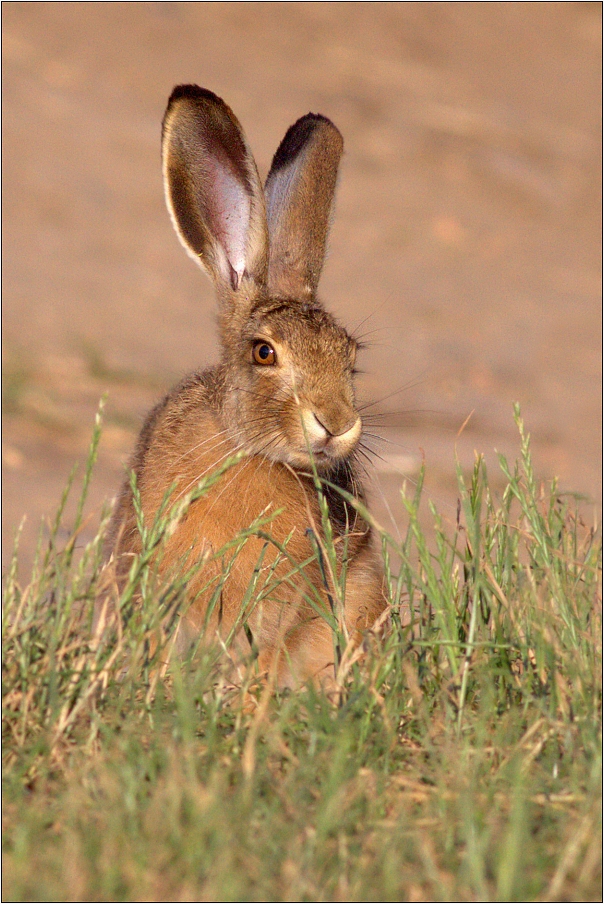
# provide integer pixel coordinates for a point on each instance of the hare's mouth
(305, 459)
(329, 456)
(331, 438)
(323, 458)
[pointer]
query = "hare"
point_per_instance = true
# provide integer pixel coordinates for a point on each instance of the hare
(282, 395)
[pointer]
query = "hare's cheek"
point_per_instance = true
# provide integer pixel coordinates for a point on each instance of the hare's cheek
(291, 426)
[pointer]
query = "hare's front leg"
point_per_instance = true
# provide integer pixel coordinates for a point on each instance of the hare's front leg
(365, 599)
(309, 652)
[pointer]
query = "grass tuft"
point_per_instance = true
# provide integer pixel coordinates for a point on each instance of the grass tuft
(463, 761)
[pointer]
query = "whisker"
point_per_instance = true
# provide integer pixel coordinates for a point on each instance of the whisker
(391, 442)
(399, 413)
(416, 381)
(201, 444)
(213, 467)
(371, 314)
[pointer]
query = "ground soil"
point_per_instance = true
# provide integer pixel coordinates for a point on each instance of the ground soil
(466, 244)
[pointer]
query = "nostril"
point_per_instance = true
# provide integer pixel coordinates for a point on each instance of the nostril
(336, 430)
(351, 425)
(322, 425)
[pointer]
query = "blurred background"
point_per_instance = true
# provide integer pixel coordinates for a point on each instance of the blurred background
(465, 248)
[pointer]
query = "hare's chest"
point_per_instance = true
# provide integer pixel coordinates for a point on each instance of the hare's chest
(253, 497)
(252, 492)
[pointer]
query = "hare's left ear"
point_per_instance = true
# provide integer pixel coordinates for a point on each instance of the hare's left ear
(299, 192)
(212, 187)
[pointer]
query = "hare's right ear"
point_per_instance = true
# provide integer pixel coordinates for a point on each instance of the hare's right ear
(213, 190)
(299, 192)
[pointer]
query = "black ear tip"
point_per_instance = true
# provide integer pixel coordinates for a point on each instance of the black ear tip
(299, 134)
(203, 101)
(314, 118)
(193, 92)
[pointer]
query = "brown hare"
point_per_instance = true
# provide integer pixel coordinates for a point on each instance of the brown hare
(282, 395)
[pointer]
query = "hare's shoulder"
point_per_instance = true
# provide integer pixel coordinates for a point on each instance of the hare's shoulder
(186, 419)
(182, 426)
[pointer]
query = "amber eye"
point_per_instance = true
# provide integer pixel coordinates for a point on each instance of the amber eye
(263, 353)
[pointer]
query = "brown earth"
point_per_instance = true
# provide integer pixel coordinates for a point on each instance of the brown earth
(466, 242)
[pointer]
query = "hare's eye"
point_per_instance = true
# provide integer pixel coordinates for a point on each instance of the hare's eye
(263, 353)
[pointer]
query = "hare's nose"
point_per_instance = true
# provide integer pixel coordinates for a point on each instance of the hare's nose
(337, 430)
(337, 440)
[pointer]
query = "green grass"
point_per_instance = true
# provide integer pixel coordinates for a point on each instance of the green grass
(462, 761)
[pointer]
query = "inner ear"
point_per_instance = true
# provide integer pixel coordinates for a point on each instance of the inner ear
(229, 211)
(212, 187)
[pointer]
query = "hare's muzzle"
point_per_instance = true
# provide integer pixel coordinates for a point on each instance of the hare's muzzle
(331, 437)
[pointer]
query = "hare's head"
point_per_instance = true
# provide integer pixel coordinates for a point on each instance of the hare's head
(288, 365)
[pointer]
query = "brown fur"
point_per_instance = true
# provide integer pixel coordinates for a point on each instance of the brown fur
(265, 273)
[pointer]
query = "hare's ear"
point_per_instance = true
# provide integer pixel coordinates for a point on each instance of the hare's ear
(299, 194)
(213, 190)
